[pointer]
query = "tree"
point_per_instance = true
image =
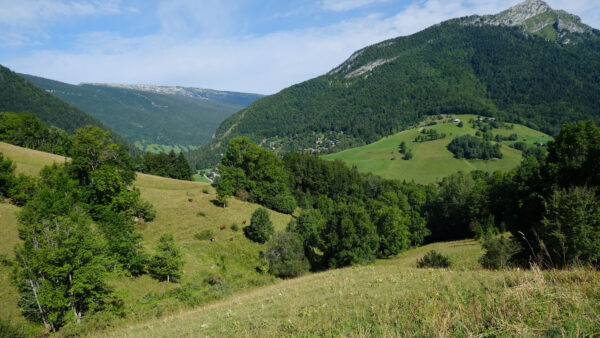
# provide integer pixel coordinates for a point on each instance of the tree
(92, 149)
(402, 147)
(7, 175)
(349, 237)
(168, 261)
(285, 255)
(393, 231)
(570, 228)
(61, 269)
(261, 227)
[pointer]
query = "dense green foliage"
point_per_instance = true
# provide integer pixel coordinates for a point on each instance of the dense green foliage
(433, 259)
(19, 95)
(166, 165)
(247, 169)
(285, 255)
(261, 227)
(448, 68)
(19, 188)
(471, 147)
(26, 130)
(144, 117)
(64, 259)
(499, 252)
(167, 263)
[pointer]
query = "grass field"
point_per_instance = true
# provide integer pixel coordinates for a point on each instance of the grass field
(432, 161)
(232, 258)
(394, 298)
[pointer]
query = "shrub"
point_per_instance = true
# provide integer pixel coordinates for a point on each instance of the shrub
(498, 252)
(206, 190)
(201, 214)
(145, 210)
(433, 259)
(285, 254)
(204, 235)
(242, 195)
(261, 227)
(234, 227)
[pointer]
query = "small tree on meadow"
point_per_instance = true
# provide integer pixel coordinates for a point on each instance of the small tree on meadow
(168, 261)
(261, 227)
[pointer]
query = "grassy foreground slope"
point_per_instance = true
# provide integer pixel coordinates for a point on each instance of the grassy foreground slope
(231, 259)
(393, 298)
(431, 160)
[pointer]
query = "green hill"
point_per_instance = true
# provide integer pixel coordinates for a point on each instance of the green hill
(431, 160)
(473, 65)
(17, 94)
(231, 259)
(153, 118)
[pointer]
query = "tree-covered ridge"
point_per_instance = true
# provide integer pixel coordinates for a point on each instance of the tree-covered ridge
(448, 68)
(145, 117)
(20, 95)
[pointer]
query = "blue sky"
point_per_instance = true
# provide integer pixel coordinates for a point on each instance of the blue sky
(259, 46)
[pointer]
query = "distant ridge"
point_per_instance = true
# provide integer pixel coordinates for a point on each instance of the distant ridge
(235, 98)
(155, 118)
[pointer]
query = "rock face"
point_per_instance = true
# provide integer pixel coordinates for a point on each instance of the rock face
(536, 17)
(518, 14)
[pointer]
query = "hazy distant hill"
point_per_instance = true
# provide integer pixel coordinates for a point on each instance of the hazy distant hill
(530, 64)
(17, 94)
(152, 115)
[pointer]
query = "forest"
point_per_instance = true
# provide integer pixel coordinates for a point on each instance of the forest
(549, 205)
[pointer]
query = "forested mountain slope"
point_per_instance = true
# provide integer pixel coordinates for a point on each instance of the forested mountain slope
(17, 94)
(152, 115)
(504, 66)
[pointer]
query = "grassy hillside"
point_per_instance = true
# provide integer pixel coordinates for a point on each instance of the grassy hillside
(231, 262)
(432, 161)
(393, 298)
(152, 121)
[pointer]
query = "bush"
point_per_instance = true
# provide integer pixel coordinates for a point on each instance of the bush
(204, 235)
(206, 190)
(234, 227)
(201, 214)
(145, 210)
(433, 259)
(285, 254)
(498, 252)
(282, 203)
(261, 227)
(242, 195)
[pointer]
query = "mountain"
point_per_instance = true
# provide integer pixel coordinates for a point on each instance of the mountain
(502, 65)
(152, 117)
(536, 17)
(17, 94)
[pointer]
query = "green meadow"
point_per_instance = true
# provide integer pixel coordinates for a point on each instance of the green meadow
(431, 160)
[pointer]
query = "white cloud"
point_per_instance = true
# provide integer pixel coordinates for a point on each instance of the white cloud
(263, 64)
(346, 5)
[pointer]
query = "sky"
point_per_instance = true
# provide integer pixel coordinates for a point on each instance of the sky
(256, 46)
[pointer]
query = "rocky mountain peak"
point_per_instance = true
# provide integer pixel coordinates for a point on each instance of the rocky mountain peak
(521, 12)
